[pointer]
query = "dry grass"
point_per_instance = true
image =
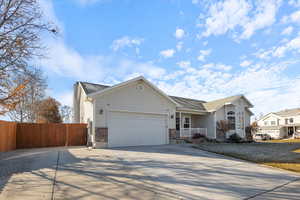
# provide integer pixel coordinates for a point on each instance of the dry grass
(285, 155)
(283, 141)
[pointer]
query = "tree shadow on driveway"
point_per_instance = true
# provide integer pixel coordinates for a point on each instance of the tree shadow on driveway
(161, 172)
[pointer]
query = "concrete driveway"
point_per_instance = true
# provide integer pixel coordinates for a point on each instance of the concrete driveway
(152, 172)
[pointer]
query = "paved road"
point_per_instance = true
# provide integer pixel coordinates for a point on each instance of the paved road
(153, 172)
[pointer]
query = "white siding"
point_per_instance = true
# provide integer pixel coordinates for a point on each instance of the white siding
(242, 116)
(205, 121)
(278, 120)
(83, 109)
(131, 98)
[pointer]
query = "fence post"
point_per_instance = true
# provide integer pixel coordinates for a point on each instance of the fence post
(67, 135)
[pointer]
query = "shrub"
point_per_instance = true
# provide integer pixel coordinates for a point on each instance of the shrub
(197, 136)
(235, 138)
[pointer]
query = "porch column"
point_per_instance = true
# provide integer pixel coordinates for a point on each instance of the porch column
(179, 124)
(294, 127)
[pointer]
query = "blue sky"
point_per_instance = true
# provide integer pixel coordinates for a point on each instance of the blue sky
(191, 48)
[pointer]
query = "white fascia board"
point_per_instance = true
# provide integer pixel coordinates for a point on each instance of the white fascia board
(102, 92)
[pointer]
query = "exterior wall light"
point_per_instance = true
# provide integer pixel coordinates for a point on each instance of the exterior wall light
(172, 116)
(101, 111)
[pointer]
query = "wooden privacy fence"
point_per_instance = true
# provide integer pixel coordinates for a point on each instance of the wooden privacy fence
(34, 135)
(7, 136)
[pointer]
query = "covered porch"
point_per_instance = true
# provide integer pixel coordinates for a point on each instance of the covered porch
(189, 124)
(293, 130)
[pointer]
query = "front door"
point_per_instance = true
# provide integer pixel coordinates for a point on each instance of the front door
(290, 131)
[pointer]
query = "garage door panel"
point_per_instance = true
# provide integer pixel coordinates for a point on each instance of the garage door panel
(133, 129)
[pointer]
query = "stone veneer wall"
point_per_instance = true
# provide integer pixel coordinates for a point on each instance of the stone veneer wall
(172, 133)
(101, 134)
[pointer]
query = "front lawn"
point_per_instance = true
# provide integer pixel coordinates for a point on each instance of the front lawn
(281, 154)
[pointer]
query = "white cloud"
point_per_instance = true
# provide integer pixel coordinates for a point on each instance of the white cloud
(265, 85)
(126, 41)
(65, 98)
(265, 15)
(184, 64)
(90, 2)
(49, 14)
(195, 1)
(287, 30)
(245, 63)
(179, 46)
(225, 16)
(228, 15)
(292, 18)
(263, 54)
(292, 45)
(168, 53)
(295, 3)
(295, 17)
(65, 61)
(203, 54)
(179, 33)
(217, 66)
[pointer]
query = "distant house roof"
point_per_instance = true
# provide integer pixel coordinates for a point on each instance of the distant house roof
(270, 127)
(92, 87)
(190, 103)
(288, 112)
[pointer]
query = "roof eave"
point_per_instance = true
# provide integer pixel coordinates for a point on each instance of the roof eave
(92, 95)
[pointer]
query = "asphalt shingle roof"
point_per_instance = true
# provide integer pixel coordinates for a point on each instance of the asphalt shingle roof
(189, 103)
(92, 87)
(186, 103)
(213, 105)
(289, 112)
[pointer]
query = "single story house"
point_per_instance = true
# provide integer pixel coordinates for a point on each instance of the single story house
(282, 124)
(136, 112)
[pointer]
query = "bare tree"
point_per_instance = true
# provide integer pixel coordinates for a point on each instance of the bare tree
(223, 127)
(21, 24)
(34, 91)
(66, 113)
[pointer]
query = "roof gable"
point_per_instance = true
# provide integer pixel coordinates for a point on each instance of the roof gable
(140, 78)
(268, 115)
(217, 104)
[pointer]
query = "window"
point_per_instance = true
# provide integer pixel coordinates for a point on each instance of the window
(231, 120)
(286, 121)
(273, 123)
(177, 123)
(291, 120)
(266, 123)
(186, 123)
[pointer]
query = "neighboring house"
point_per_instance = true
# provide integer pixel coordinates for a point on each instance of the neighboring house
(285, 123)
(136, 112)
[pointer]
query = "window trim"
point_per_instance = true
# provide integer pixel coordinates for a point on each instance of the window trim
(231, 118)
(189, 121)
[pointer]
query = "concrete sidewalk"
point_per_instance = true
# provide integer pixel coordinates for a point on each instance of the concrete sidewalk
(153, 172)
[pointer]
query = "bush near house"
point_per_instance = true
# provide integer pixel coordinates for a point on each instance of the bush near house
(235, 138)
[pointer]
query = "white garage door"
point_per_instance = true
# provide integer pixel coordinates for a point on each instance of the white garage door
(134, 129)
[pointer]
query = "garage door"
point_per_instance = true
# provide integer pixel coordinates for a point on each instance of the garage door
(134, 129)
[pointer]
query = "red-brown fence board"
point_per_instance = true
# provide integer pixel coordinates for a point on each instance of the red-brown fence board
(7, 136)
(35, 135)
